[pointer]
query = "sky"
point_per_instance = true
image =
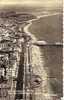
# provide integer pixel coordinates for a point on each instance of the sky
(32, 2)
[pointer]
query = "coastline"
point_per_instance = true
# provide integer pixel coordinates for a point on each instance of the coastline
(26, 28)
(38, 62)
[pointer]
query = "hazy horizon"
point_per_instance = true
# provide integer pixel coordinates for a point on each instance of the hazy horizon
(40, 3)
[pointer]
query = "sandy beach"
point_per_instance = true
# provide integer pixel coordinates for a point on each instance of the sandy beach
(38, 63)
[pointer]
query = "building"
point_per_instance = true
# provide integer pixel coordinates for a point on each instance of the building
(4, 44)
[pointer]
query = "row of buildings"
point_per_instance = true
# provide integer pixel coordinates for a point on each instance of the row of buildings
(10, 49)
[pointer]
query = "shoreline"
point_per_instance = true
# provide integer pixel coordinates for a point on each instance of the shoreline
(38, 62)
(26, 28)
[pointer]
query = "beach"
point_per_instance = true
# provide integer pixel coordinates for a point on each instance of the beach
(43, 59)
